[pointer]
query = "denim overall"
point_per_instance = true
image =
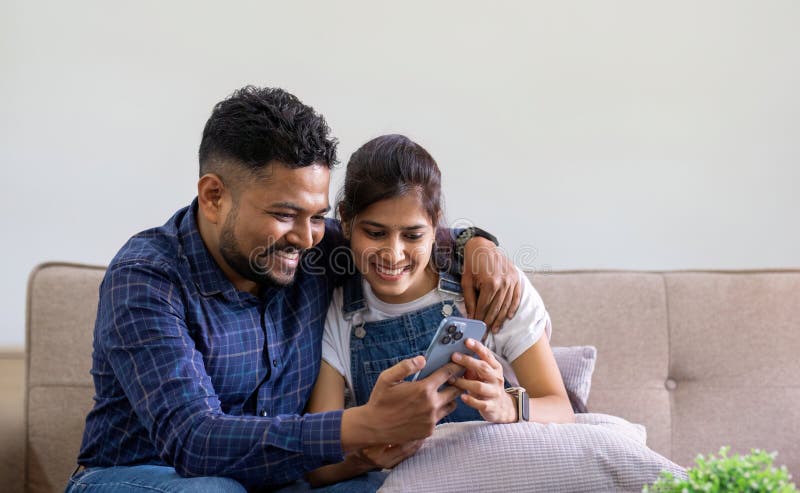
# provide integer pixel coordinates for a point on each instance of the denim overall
(376, 346)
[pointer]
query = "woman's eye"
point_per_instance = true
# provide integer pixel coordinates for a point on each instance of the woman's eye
(374, 234)
(414, 236)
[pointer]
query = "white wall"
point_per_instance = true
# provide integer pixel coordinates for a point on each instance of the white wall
(626, 135)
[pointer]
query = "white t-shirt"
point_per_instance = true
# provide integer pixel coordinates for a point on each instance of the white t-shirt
(515, 337)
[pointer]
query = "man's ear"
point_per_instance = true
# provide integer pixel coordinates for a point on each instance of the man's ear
(210, 193)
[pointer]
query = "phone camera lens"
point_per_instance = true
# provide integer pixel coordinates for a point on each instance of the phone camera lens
(451, 329)
(458, 335)
(446, 340)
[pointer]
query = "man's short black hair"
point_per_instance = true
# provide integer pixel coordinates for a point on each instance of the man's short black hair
(257, 125)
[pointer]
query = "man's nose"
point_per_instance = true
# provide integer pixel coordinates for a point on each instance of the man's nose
(301, 236)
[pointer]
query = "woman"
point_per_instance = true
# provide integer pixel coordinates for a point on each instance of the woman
(390, 207)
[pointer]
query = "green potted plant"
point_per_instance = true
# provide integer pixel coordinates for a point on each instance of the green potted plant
(753, 472)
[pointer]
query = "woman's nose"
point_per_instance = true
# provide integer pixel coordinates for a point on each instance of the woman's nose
(393, 251)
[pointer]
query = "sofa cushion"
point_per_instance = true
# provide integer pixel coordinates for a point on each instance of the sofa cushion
(623, 315)
(576, 364)
(609, 452)
(735, 339)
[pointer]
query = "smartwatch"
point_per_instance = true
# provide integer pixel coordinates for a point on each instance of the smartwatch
(520, 395)
(468, 234)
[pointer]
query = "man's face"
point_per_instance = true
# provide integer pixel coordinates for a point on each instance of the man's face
(273, 221)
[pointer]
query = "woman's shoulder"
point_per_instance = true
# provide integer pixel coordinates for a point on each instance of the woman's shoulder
(334, 316)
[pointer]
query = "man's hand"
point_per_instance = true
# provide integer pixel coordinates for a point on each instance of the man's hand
(493, 276)
(387, 456)
(400, 411)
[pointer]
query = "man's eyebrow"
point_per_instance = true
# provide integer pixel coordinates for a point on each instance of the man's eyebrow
(297, 208)
(405, 228)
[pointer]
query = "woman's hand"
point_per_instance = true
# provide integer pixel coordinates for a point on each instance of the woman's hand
(387, 456)
(483, 384)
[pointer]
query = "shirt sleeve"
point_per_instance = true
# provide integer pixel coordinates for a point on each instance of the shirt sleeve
(142, 332)
(527, 326)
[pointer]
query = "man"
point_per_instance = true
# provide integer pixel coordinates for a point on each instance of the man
(207, 338)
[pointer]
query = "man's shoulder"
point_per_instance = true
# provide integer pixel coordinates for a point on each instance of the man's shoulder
(158, 247)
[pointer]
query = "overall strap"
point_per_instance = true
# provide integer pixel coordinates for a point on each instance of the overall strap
(450, 283)
(353, 296)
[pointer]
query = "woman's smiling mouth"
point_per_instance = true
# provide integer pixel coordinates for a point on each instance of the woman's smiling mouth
(391, 274)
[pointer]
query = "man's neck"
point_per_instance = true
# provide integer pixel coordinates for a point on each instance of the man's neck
(207, 234)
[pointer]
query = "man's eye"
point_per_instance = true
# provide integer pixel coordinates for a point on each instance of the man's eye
(318, 219)
(282, 216)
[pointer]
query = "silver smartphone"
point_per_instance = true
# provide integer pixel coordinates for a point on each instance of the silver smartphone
(449, 339)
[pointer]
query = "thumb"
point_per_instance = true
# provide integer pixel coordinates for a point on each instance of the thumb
(402, 369)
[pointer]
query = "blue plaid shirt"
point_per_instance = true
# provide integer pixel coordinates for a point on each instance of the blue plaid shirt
(192, 373)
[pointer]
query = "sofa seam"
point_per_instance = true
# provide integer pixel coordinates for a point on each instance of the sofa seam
(670, 394)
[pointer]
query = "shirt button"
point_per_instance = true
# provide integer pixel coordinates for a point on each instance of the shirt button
(275, 363)
(263, 413)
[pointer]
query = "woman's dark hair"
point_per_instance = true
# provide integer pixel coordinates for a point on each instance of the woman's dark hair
(257, 125)
(386, 167)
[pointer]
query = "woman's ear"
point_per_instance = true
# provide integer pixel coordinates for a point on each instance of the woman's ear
(347, 225)
(210, 194)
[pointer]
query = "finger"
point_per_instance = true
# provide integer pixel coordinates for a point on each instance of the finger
(409, 448)
(441, 375)
(493, 310)
(477, 404)
(503, 315)
(468, 289)
(485, 297)
(449, 393)
(512, 310)
(499, 303)
(476, 388)
(445, 410)
(483, 353)
(401, 370)
(466, 385)
(480, 367)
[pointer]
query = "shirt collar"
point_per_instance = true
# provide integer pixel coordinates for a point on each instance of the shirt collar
(206, 274)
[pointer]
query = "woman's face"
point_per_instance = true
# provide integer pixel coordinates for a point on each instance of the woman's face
(392, 241)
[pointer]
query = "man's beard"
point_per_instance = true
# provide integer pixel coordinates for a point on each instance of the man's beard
(255, 267)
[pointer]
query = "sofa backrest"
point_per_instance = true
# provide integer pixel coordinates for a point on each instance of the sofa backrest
(702, 359)
(62, 304)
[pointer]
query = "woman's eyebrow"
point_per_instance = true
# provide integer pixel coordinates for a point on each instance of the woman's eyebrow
(383, 226)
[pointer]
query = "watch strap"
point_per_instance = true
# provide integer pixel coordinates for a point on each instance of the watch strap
(467, 234)
(522, 401)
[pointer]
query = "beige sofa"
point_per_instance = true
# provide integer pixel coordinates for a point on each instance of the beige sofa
(702, 359)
